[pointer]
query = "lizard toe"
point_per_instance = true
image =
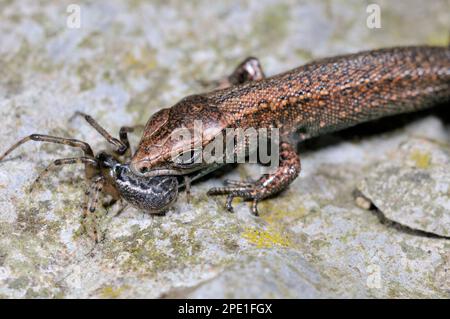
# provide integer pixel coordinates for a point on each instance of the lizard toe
(247, 191)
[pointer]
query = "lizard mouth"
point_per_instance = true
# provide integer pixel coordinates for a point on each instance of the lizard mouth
(191, 174)
(140, 169)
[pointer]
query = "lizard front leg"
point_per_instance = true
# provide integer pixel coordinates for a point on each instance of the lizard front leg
(267, 185)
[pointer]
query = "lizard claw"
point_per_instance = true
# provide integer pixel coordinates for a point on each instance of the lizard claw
(245, 190)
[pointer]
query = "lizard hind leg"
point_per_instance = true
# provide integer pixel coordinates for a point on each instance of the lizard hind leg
(267, 185)
(248, 70)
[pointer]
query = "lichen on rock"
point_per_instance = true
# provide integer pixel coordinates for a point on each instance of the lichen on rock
(129, 59)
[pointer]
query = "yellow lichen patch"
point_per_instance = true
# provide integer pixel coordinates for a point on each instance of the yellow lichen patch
(265, 238)
(273, 213)
(143, 59)
(111, 292)
(421, 160)
(439, 39)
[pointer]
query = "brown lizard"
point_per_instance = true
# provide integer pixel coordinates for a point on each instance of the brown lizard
(314, 99)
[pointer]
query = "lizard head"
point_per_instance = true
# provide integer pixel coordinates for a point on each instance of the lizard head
(174, 138)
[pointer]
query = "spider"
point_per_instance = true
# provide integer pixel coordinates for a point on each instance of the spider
(109, 174)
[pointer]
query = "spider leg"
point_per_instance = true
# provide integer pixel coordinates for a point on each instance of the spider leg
(51, 139)
(90, 206)
(120, 146)
(187, 183)
(63, 161)
(123, 135)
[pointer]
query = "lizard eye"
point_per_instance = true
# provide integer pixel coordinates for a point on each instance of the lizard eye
(188, 159)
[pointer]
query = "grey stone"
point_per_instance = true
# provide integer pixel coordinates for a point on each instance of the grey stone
(131, 58)
(413, 188)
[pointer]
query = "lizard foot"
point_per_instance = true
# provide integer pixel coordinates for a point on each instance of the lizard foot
(245, 190)
(267, 185)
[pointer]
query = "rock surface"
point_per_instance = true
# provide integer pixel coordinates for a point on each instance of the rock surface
(413, 188)
(129, 59)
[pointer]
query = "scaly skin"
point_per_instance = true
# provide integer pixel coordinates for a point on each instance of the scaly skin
(314, 99)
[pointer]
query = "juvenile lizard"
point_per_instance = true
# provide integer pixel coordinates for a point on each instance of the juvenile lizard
(314, 99)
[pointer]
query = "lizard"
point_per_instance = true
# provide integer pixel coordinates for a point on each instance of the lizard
(317, 98)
